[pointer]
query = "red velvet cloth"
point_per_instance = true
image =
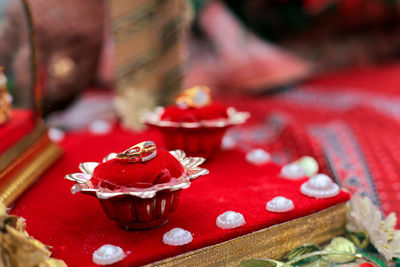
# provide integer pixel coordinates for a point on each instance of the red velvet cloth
(75, 225)
(145, 174)
(19, 125)
(349, 121)
(210, 112)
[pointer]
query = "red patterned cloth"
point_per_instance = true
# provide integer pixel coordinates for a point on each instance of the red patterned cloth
(352, 117)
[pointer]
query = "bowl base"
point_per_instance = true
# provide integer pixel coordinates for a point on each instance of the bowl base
(143, 225)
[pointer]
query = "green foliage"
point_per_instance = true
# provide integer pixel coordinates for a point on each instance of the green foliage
(304, 249)
(345, 247)
(360, 239)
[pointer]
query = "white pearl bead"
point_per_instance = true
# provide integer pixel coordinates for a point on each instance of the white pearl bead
(280, 204)
(320, 186)
(320, 181)
(309, 165)
(108, 254)
(228, 142)
(100, 127)
(230, 219)
(292, 171)
(177, 237)
(258, 156)
(55, 134)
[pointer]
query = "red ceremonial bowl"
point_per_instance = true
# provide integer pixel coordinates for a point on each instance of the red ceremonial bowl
(139, 208)
(202, 138)
(135, 213)
(202, 142)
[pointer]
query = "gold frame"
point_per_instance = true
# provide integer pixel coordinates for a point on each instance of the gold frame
(34, 62)
(27, 175)
(26, 160)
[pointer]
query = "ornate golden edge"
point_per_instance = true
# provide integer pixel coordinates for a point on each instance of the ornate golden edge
(273, 242)
(29, 173)
(14, 155)
(34, 62)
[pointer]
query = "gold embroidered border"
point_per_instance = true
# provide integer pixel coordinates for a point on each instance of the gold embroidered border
(29, 173)
(273, 242)
(18, 152)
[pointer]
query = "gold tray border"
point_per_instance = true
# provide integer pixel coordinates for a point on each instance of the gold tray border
(29, 173)
(19, 151)
(273, 242)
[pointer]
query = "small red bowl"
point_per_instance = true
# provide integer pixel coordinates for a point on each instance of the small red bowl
(202, 142)
(202, 138)
(135, 213)
(139, 208)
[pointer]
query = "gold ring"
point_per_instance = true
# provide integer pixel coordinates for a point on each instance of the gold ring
(194, 97)
(141, 152)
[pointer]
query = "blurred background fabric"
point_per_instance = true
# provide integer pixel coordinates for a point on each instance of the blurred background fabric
(243, 47)
(334, 33)
(327, 34)
(69, 37)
